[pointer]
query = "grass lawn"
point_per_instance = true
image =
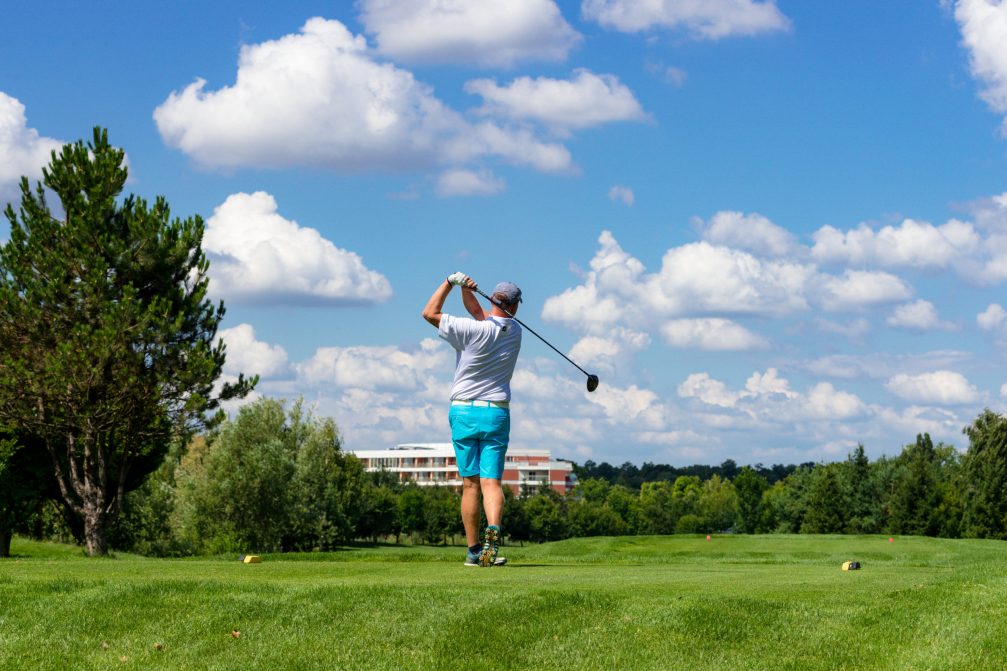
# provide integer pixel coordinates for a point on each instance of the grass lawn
(671, 602)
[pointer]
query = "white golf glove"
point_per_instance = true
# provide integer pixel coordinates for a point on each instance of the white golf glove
(457, 279)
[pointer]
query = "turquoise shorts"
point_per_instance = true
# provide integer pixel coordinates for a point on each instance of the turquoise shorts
(480, 436)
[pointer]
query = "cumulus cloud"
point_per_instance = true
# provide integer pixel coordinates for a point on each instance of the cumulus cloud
(373, 368)
(711, 334)
(912, 244)
(712, 278)
(707, 20)
(751, 232)
(708, 390)
(495, 33)
(939, 387)
(630, 405)
(622, 194)
(823, 401)
(257, 256)
(919, 315)
(469, 183)
(767, 398)
(318, 98)
(992, 318)
(860, 288)
(24, 151)
(246, 354)
(983, 25)
(584, 101)
(606, 351)
(701, 280)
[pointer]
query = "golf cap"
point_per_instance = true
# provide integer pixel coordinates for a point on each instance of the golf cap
(509, 291)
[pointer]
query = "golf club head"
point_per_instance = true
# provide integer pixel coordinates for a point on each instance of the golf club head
(592, 382)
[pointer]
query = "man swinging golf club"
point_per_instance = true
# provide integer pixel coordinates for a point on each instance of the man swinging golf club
(486, 347)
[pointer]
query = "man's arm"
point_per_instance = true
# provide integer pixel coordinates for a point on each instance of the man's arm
(471, 302)
(435, 306)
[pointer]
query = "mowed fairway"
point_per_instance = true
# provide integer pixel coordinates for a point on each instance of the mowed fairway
(679, 602)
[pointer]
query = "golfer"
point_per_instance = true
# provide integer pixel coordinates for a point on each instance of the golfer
(487, 347)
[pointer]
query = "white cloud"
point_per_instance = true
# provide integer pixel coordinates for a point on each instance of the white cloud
(608, 350)
(24, 152)
(912, 244)
(941, 387)
(990, 213)
(317, 98)
(983, 26)
(768, 384)
(374, 368)
(826, 402)
(599, 304)
(629, 406)
(708, 19)
(705, 277)
(711, 334)
(708, 390)
(767, 399)
(702, 280)
(751, 232)
(622, 194)
(469, 183)
(992, 318)
(247, 355)
(496, 33)
(860, 288)
(919, 315)
(257, 256)
(585, 101)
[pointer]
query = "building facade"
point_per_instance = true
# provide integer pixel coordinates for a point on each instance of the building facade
(434, 464)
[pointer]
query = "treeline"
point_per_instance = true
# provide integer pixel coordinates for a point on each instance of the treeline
(632, 476)
(276, 479)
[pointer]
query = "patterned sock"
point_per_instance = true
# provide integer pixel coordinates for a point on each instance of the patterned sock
(474, 549)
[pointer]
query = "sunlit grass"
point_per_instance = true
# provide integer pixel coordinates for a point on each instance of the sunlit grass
(733, 602)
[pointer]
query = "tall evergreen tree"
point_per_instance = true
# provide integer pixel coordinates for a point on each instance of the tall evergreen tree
(826, 511)
(916, 494)
(108, 339)
(985, 478)
(749, 486)
(862, 501)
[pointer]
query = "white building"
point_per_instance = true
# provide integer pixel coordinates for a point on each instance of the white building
(434, 464)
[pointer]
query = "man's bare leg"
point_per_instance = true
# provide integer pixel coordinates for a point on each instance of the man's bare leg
(493, 500)
(470, 509)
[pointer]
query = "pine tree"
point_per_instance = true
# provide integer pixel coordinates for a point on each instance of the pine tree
(107, 334)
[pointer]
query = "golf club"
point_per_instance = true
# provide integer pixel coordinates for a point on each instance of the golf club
(592, 380)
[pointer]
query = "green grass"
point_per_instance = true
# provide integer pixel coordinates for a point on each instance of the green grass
(680, 602)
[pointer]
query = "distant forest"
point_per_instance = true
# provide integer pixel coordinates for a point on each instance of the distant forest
(629, 475)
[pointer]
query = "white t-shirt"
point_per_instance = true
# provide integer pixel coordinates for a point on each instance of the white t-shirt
(486, 353)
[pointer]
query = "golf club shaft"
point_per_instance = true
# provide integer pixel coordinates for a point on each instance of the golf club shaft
(479, 291)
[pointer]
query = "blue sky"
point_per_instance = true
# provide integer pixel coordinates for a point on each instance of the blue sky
(775, 230)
